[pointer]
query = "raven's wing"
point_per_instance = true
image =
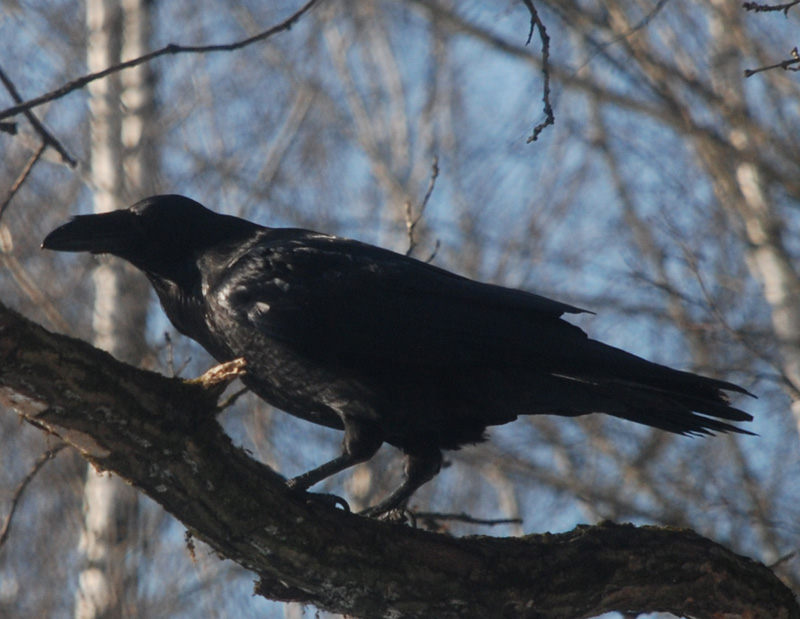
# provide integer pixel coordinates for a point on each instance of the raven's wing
(363, 304)
(350, 305)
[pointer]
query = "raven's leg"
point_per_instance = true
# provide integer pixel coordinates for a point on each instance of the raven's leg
(420, 467)
(361, 441)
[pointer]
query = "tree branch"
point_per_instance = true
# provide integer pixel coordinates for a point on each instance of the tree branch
(170, 49)
(549, 116)
(413, 221)
(161, 435)
(764, 8)
(23, 176)
(790, 64)
(48, 139)
(20, 490)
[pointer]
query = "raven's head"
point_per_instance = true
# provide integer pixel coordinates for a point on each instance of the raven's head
(157, 235)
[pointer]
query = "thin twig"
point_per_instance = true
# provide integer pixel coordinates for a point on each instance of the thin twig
(170, 354)
(786, 65)
(21, 178)
(171, 358)
(188, 538)
(167, 50)
(763, 8)
(549, 117)
(49, 138)
(787, 557)
(431, 184)
(232, 399)
(33, 290)
(15, 498)
(642, 23)
(411, 221)
(435, 251)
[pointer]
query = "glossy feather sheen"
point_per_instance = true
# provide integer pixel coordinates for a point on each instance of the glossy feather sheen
(391, 349)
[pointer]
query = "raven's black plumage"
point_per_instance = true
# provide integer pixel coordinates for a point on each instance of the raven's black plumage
(383, 346)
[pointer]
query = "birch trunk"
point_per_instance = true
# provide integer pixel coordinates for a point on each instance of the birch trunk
(118, 169)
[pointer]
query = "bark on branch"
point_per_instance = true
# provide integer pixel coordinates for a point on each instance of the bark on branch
(161, 435)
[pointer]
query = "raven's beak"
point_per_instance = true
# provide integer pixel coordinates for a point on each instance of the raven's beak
(116, 232)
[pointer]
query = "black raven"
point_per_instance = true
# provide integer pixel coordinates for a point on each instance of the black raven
(380, 345)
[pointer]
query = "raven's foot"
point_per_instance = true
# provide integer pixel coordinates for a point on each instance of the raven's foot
(331, 500)
(214, 382)
(220, 376)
